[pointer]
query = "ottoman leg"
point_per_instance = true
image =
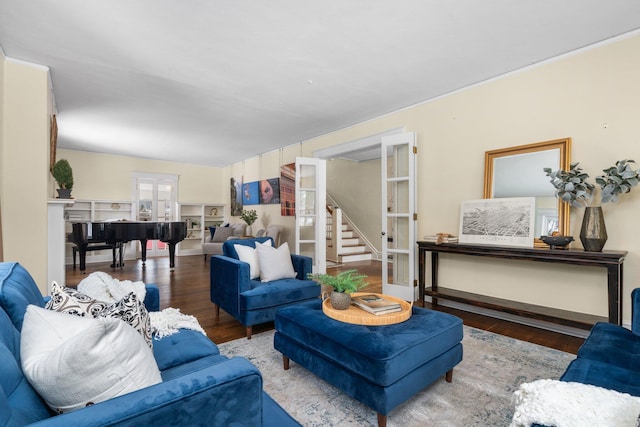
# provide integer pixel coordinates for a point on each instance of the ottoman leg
(249, 330)
(285, 362)
(382, 420)
(448, 376)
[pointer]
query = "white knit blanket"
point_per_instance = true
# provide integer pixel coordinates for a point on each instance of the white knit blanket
(103, 287)
(566, 404)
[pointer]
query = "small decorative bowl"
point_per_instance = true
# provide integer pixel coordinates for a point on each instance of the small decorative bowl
(557, 241)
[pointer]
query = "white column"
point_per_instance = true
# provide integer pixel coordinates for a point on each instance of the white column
(56, 241)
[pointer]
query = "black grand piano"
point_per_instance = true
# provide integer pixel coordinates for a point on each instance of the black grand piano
(113, 235)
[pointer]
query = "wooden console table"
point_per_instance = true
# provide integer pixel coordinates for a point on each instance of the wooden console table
(611, 260)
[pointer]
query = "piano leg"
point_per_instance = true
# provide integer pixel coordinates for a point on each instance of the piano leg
(172, 256)
(143, 250)
(82, 251)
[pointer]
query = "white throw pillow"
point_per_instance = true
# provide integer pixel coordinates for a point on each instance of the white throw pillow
(275, 263)
(248, 254)
(72, 361)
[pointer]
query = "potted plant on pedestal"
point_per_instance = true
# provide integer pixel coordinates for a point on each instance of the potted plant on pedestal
(249, 217)
(572, 187)
(63, 175)
(341, 286)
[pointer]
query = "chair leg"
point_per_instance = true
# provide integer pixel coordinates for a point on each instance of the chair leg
(205, 258)
(216, 309)
(382, 420)
(249, 330)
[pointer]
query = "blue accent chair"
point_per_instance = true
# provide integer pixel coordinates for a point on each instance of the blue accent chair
(199, 385)
(610, 356)
(253, 302)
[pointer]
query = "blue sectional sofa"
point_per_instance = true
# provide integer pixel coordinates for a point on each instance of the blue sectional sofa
(610, 356)
(199, 385)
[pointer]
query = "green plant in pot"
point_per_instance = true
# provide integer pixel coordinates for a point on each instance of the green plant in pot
(572, 187)
(63, 175)
(341, 286)
(249, 216)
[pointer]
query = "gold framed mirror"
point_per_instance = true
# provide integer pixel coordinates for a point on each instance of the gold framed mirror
(518, 172)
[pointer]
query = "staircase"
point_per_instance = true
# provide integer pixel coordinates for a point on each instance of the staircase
(343, 244)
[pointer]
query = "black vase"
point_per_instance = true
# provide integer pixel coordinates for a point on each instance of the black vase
(593, 234)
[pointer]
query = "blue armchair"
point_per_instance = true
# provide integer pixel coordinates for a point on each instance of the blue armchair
(253, 302)
(609, 356)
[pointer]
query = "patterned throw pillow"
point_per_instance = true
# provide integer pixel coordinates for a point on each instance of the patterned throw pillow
(129, 309)
(70, 301)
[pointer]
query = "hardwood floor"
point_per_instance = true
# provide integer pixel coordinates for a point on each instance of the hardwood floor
(187, 288)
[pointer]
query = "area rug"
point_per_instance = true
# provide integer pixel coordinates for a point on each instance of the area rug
(493, 367)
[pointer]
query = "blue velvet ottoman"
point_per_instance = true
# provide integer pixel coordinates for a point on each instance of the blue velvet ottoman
(380, 366)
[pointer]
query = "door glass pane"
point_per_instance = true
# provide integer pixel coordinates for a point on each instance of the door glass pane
(398, 232)
(307, 203)
(165, 202)
(398, 193)
(307, 225)
(399, 162)
(145, 196)
(308, 249)
(307, 176)
(398, 269)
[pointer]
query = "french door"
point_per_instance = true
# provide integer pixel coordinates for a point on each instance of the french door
(311, 215)
(155, 197)
(398, 170)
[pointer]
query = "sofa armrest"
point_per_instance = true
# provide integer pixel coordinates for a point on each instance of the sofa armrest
(635, 311)
(302, 265)
(229, 277)
(227, 393)
(152, 297)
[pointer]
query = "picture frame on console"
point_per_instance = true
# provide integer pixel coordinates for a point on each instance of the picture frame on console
(498, 222)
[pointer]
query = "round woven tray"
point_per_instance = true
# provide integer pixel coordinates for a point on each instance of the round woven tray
(358, 316)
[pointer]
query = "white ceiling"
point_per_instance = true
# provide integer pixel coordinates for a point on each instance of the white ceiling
(216, 81)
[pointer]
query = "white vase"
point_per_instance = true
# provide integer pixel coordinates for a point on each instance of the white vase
(248, 231)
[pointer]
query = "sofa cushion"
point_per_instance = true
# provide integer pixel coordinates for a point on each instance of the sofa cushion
(17, 291)
(612, 344)
(72, 361)
(277, 292)
(275, 264)
(182, 347)
(604, 375)
(249, 255)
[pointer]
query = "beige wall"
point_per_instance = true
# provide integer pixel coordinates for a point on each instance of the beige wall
(108, 177)
(2, 101)
(25, 165)
(591, 96)
(574, 96)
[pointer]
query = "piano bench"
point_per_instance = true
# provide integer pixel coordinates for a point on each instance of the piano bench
(102, 247)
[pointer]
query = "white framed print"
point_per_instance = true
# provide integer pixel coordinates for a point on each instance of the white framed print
(498, 222)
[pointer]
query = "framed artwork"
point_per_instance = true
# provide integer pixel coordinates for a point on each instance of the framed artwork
(288, 189)
(236, 196)
(498, 222)
(53, 136)
(251, 193)
(270, 191)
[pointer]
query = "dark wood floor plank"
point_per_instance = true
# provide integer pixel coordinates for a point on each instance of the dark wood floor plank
(187, 288)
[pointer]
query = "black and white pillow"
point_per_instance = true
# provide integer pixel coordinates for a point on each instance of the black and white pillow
(129, 309)
(70, 301)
